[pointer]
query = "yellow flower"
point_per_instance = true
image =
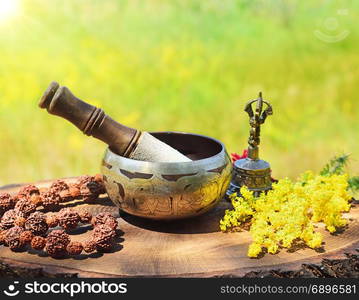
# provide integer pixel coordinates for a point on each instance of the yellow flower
(287, 212)
(254, 250)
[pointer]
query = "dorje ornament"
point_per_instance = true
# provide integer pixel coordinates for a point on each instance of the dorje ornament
(252, 171)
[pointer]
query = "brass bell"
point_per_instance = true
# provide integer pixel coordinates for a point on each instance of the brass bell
(253, 172)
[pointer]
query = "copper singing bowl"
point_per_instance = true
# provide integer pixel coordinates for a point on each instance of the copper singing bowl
(170, 190)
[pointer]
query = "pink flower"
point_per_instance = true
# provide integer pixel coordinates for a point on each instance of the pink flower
(236, 156)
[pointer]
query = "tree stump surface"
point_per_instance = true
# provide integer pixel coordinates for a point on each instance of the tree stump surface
(184, 248)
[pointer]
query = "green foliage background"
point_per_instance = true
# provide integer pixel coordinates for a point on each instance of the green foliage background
(182, 65)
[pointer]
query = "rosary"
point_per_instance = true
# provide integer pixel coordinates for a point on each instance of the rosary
(22, 224)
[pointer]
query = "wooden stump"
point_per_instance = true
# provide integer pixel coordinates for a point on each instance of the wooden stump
(185, 248)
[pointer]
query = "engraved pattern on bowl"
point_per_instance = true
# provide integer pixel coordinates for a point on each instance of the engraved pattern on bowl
(170, 190)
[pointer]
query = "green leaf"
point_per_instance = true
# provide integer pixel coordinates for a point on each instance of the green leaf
(354, 183)
(335, 166)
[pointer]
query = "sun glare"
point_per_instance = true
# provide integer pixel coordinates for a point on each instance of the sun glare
(8, 9)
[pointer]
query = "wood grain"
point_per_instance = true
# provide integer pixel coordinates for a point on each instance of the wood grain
(185, 248)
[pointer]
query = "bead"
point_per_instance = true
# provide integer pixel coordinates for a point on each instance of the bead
(20, 221)
(85, 216)
(105, 219)
(38, 242)
(12, 238)
(50, 200)
(74, 248)
(6, 202)
(25, 207)
(59, 186)
(52, 220)
(91, 187)
(68, 218)
(26, 191)
(103, 236)
(26, 237)
(56, 243)
(8, 219)
(36, 223)
(89, 246)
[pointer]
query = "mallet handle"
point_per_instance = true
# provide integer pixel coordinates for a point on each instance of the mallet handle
(89, 119)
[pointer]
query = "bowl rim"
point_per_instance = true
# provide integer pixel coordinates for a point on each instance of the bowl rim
(207, 163)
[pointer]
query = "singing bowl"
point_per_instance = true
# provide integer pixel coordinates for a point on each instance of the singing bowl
(170, 190)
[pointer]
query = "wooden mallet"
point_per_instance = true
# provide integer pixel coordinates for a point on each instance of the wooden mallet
(91, 120)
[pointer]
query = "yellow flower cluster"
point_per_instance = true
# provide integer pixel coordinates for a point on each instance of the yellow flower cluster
(287, 213)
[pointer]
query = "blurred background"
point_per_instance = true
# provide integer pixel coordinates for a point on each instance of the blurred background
(182, 65)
